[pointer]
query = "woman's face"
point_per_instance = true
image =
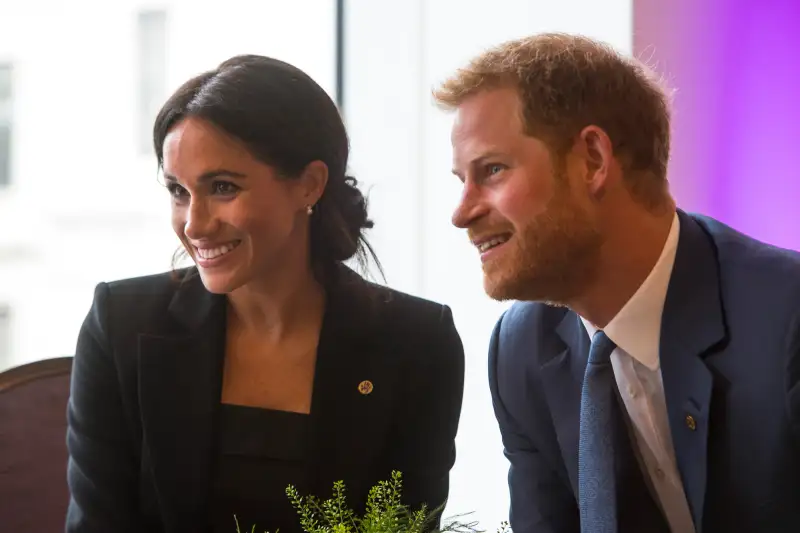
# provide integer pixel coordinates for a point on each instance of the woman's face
(238, 220)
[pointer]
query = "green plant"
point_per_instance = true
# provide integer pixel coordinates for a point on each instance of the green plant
(384, 513)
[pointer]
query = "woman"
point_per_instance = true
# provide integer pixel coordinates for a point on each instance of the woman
(201, 394)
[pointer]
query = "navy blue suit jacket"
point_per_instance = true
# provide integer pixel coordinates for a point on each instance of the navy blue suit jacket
(730, 362)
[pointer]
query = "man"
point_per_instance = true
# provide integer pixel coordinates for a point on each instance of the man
(649, 377)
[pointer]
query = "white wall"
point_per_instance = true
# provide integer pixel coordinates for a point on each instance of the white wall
(396, 52)
(85, 205)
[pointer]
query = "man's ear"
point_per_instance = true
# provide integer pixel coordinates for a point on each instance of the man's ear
(595, 147)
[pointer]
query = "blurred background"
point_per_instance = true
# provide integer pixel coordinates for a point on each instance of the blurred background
(81, 82)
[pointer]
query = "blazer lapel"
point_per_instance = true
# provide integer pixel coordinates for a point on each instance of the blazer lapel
(180, 381)
(353, 389)
(562, 378)
(180, 389)
(692, 324)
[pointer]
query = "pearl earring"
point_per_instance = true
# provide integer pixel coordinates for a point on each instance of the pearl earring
(309, 210)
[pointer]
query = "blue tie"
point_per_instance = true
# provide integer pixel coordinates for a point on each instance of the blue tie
(596, 468)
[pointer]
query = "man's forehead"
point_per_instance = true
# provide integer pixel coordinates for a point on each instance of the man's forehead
(475, 134)
(498, 107)
(473, 151)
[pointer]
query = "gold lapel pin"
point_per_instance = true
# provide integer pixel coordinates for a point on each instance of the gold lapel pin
(365, 387)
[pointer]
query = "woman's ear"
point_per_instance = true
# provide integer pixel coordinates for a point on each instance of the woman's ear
(312, 182)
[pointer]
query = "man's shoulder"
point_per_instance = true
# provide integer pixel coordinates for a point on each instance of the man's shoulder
(754, 275)
(527, 326)
(751, 261)
(522, 316)
(737, 245)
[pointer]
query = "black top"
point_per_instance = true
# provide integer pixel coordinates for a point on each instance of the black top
(261, 452)
(145, 414)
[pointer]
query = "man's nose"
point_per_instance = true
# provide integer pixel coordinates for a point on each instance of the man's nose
(469, 208)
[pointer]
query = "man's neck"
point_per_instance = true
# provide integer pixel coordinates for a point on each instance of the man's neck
(634, 243)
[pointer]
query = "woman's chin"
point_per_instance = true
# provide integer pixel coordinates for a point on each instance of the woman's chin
(219, 282)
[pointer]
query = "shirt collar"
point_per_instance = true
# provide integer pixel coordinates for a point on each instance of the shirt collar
(636, 329)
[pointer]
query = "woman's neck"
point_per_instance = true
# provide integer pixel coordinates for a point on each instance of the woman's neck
(279, 306)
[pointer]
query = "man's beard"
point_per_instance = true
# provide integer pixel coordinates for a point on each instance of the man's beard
(551, 259)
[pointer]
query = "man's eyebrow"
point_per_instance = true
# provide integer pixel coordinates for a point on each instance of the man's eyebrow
(479, 160)
(484, 157)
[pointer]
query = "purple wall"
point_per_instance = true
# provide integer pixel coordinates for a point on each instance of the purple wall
(736, 114)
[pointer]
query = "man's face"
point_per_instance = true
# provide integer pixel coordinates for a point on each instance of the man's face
(527, 214)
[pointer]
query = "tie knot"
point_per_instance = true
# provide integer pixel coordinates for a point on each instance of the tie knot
(601, 349)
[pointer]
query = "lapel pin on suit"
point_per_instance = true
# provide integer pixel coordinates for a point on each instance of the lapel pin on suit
(365, 387)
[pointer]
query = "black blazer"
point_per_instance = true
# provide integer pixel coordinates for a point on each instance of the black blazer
(147, 381)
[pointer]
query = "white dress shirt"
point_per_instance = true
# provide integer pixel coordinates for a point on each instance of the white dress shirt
(636, 330)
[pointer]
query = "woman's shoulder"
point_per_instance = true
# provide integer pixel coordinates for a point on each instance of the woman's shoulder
(137, 291)
(161, 284)
(385, 302)
(410, 308)
(412, 330)
(136, 302)
(397, 316)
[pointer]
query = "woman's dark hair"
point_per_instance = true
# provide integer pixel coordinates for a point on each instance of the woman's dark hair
(287, 121)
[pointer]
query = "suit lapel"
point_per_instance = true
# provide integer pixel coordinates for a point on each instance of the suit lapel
(180, 388)
(692, 324)
(180, 381)
(344, 415)
(562, 378)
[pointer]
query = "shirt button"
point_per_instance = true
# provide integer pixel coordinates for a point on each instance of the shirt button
(631, 391)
